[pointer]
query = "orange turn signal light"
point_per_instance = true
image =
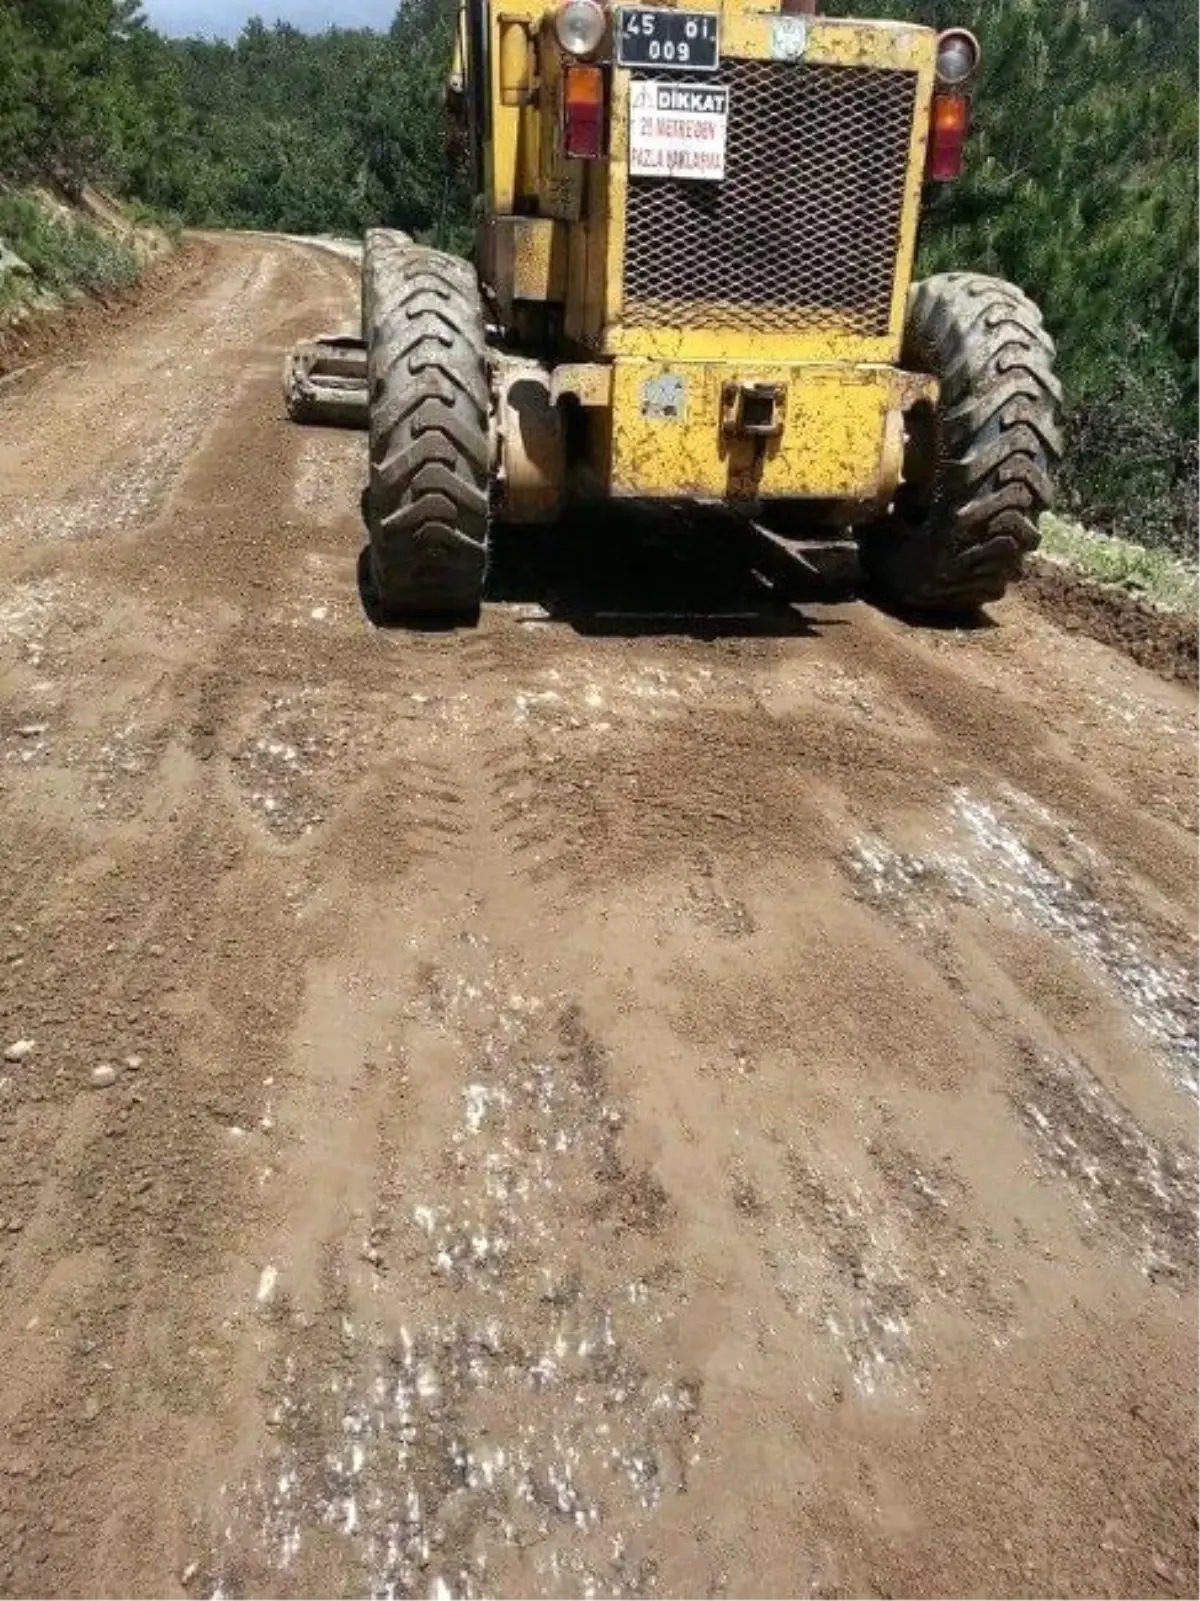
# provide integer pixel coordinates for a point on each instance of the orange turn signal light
(583, 86)
(949, 124)
(951, 113)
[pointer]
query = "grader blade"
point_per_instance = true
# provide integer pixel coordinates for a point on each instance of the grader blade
(325, 381)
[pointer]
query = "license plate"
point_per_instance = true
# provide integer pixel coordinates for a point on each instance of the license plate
(677, 41)
(677, 130)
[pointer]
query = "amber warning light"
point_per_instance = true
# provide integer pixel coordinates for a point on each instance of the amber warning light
(949, 125)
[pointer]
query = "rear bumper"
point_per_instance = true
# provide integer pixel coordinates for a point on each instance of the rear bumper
(838, 431)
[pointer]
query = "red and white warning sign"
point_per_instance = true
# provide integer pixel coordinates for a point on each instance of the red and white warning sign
(677, 130)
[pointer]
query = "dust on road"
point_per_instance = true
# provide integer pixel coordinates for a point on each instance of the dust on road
(670, 1093)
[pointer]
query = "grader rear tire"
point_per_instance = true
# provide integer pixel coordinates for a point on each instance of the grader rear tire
(427, 498)
(978, 468)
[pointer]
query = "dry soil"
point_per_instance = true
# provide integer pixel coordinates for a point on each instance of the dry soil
(677, 1091)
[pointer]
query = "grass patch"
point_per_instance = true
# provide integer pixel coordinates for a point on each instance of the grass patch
(66, 257)
(12, 292)
(143, 216)
(1141, 569)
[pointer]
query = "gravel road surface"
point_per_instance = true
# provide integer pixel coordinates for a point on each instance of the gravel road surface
(672, 1092)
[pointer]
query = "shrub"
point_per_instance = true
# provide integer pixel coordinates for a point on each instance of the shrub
(66, 256)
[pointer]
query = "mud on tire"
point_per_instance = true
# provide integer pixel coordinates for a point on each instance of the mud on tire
(978, 468)
(426, 503)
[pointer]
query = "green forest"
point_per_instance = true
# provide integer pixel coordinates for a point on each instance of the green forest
(1081, 182)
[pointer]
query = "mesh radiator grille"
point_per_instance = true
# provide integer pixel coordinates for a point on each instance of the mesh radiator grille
(803, 230)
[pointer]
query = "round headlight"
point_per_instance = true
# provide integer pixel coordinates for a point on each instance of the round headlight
(957, 56)
(580, 26)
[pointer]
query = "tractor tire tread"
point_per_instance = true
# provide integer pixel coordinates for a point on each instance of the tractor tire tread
(999, 445)
(428, 498)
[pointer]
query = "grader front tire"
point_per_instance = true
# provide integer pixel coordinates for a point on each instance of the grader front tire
(427, 499)
(978, 469)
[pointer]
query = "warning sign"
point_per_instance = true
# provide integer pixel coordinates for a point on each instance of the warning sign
(677, 130)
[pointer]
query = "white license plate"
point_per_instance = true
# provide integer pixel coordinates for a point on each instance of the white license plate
(677, 130)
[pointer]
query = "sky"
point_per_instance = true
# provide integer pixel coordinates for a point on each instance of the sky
(224, 18)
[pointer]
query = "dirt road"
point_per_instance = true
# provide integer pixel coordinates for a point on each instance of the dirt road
(671, 1093)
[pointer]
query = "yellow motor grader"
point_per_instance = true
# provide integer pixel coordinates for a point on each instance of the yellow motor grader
(693, 283)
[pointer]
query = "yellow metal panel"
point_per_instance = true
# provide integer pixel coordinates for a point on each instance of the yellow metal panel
(599, 226)
(668, 441)
(717, 344)
(748, 32)
(613, 270)
(517, 65)
(504, 146)
(910, 216)
(562, 180)
(530, 257)
(831, 41)
(579, 281)
(588, 382)
(529, 148)
(511, 163)
(589, 238)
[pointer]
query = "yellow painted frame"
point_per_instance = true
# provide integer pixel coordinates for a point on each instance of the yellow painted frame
(747, 33)
(843, 394)
(832, 444)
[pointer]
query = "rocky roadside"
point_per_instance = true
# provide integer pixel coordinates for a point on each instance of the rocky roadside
(67, 268)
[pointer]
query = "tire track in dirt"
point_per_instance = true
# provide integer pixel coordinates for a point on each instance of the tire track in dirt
(379, 1390)
(605, 1117)
(144, 921)
(876, 1259)
(1016, 734)
(120, 473)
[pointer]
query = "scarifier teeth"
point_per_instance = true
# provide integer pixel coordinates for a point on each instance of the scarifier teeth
(325, 381)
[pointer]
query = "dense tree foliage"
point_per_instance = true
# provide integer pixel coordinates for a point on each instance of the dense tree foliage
(278, 130)
(67, 101)
(1081, 184)
(327, 133)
